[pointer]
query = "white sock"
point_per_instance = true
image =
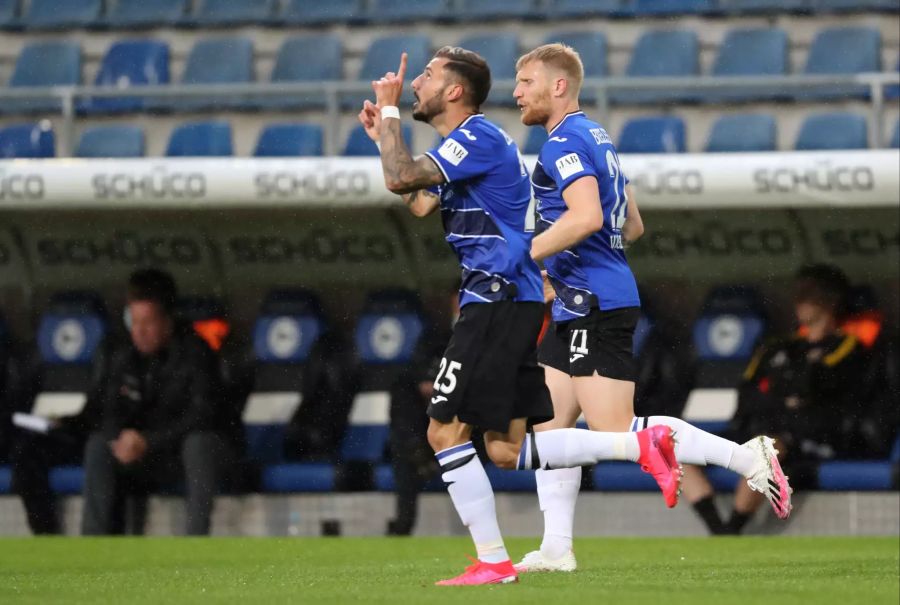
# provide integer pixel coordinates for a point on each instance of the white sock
(695, 446)
(557, 491)
(472, 495)
(565, 448)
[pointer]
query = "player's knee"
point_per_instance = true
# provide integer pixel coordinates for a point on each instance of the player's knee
(503, 454)
(439, 438)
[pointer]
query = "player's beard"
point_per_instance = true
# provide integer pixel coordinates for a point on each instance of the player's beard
(425, 112)
(538, 112)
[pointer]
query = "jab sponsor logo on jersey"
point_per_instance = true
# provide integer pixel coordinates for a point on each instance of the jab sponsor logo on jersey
(600, 136)
(453, 152)
(569, 165)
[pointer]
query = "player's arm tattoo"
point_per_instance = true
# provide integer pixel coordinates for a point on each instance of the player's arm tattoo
(402, 172)
(421, 202)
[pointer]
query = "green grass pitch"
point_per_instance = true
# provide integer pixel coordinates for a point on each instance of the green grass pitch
(671, 571)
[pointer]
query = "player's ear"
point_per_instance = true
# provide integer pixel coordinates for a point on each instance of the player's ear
(455, 92)
(561, 87)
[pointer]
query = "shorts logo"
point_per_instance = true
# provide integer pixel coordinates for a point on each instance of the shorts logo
(453, 152)
(569, 165)
(578, 347)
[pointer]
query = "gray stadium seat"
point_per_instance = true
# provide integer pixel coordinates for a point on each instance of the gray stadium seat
(227, 60)
(500, 50)
(592, 48)
(292, 65)
(359, 143)
(231, 13)
(27, 141)
(200, 139)
(62, 14)
(591, 8)
(44, 64)
(138, 14)
(743, 132)
(287, 140)
(129, 63)
(304, 12)
(828, 131)
(403, 11)
(117, 141)
(480, 10)
(663, 134)
(661, 53)
(842, 50)
(750, 52)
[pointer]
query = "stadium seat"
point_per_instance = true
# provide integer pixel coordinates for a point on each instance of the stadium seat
(592, 48)
(668, 8)
(895, 139)
(842, 51)
(828, 131)
(856, 475)
(756, 7)
(200, 139)
(44, 64)
(536, 138)
(285, 140)
(404, 11)
(743, 132)
(855, 6)
(500, 50)
(570, 9)
(27, 141)
(666, 54)
(652, 135)
(227, 60)
(140, 14)
(62, 14)
(118, 141)
(481, 10)
(383, 55)
(306, 13)
(292, 66)
(750, 52)
(129, 63)
(731, 323)
(6, 480)
(359, 143)
(892, 91)
(9, 14)
(231, 13)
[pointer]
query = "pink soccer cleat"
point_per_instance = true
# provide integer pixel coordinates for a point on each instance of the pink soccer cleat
(768, 478)
(483, 573)
(657, 457)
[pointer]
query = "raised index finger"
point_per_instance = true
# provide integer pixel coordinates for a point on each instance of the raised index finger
(401, 71)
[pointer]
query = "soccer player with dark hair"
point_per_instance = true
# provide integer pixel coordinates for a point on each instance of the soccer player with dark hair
(489, 377)
(586, 217)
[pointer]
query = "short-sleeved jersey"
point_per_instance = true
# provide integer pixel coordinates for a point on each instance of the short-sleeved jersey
(594, 272)
(484, 205)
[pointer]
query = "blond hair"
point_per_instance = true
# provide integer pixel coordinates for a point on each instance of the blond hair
(558, 56)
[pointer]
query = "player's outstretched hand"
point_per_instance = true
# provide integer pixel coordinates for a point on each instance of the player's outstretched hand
(389, 88)
(370, 118)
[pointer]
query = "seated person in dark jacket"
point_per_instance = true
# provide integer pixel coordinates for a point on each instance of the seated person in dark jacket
(158, 406)
(798, 390)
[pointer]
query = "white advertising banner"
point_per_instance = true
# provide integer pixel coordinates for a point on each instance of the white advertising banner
(683, 181)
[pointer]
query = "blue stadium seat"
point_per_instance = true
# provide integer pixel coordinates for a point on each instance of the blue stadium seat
(9, 14)
(666, 8)
(226, 60)
(62, 14)
(230, 13)
(481, 10)
(856, 475)
(383, 56)
(855, 6)
(503, 480)
(304, 12)
(536, 138)
(359, 143)
(828, 131)
(652, 135)
(664, 53)
(27, 141)
(66, 480)
(6, 480)
(200, 139)
(500, 50)
(842, 51)
(592, 48)
(118, 141)
(44, 64)
(570, 9)
(750, 52)
(628, 477)
(743, 132)
(285, 140)
(403, 11)
(129, 63)
(292, 478)
(756, 7)
(895, 139)
(292, 64)
(140, 14)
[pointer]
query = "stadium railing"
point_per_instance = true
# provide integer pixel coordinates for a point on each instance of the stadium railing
(334, 92)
